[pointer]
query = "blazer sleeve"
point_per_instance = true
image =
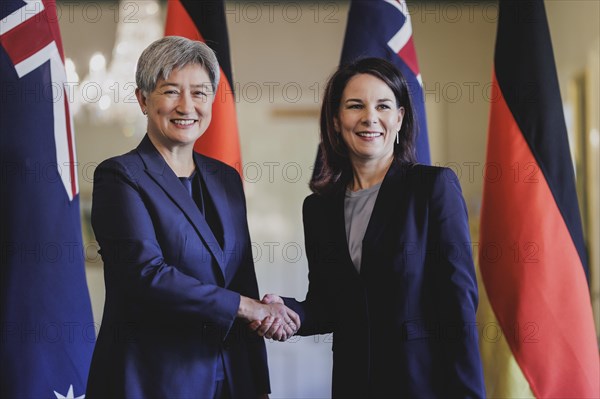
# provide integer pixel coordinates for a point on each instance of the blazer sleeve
(457, 284)
(133, 259)
(316, 311)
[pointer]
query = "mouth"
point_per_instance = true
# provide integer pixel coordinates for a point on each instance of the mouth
(184, 122)
(369, 135)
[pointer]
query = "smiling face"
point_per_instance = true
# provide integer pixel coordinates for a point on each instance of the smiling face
(179, 109)
(368, 119)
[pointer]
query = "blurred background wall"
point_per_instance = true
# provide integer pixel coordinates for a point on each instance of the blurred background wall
(282, 53)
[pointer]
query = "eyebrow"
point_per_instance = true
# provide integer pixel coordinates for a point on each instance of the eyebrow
(201, 85)
(358, 100)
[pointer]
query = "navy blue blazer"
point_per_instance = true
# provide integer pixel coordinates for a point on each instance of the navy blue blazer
(172, 293)
(405, 325)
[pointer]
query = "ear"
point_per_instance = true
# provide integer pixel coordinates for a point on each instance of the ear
(400, 117)
(142, 100)
(336, 124)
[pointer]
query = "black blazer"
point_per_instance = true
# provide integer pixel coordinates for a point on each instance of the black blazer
(405, 325)
(172, 293)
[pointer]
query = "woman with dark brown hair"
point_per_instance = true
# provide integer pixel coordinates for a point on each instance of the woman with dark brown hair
(391, 272)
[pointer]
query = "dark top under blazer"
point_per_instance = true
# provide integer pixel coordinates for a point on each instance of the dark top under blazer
(405, 325)
(172, 293)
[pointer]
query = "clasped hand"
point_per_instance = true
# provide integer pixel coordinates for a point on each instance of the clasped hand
(270, 318)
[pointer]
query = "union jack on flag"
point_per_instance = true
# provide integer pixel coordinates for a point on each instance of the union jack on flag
(382, 28)
(28, 37)
(48, 333)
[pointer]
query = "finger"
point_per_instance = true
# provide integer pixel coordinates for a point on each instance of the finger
(272, 328)
(280, 334)
(291, 326)
(254, 325)
(264, 326)
(272, 298)
(294, 317)
(282, 337)
(289, 331)
(277, 322)
(274, 332)
(279, 331)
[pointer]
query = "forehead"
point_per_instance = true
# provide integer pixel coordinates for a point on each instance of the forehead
(366, 85)
(194, 74)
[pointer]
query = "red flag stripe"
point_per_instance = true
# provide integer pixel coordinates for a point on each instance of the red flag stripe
(532, 271)
(71, 145)
(179, 22)
(27, 38)
(409, 55)
(221, 139)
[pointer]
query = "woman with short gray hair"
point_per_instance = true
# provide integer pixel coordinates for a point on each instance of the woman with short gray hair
(179, 275)
(172, 52)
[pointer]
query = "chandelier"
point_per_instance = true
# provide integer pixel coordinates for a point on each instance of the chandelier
(107, 94)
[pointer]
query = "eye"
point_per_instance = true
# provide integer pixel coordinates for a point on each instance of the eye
(199, 93)
(171, 93)
(354, 106)
(383, 106)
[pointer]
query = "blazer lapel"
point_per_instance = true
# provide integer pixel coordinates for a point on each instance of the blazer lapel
(340, 234)
(161, 173)
(216, 189)
(390, 197)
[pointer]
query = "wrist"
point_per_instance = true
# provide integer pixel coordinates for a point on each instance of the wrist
(245, 308)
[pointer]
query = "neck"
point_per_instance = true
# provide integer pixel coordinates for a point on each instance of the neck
(179, 158)
(182, 166)
(368, 173)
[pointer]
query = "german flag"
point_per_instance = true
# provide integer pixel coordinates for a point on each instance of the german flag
(540, 340)
(205, 21)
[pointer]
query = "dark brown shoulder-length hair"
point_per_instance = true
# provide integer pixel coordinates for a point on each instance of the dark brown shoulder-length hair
(335, 168)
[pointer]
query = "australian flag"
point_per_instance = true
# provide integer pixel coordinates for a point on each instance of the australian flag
(382, 28)
(47, 331)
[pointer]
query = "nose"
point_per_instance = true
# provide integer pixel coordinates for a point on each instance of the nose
(369, 117)
(186, 104)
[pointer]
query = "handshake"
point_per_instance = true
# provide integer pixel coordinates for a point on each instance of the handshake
(270, 317)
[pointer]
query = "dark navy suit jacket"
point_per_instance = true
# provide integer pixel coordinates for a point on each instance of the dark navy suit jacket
(172, 293)
(405, 325)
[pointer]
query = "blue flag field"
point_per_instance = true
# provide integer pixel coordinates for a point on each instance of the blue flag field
(47, 330)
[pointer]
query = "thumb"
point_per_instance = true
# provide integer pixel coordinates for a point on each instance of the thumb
(272, 298)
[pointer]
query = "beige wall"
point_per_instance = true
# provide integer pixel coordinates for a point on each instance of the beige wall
(288, 51)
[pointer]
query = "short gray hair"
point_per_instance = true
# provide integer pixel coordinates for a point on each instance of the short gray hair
(174, 52)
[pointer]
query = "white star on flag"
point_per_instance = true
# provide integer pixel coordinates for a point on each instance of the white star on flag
(69, 394)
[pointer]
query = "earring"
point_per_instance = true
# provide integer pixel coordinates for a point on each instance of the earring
(398, 137)
(144, 112)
